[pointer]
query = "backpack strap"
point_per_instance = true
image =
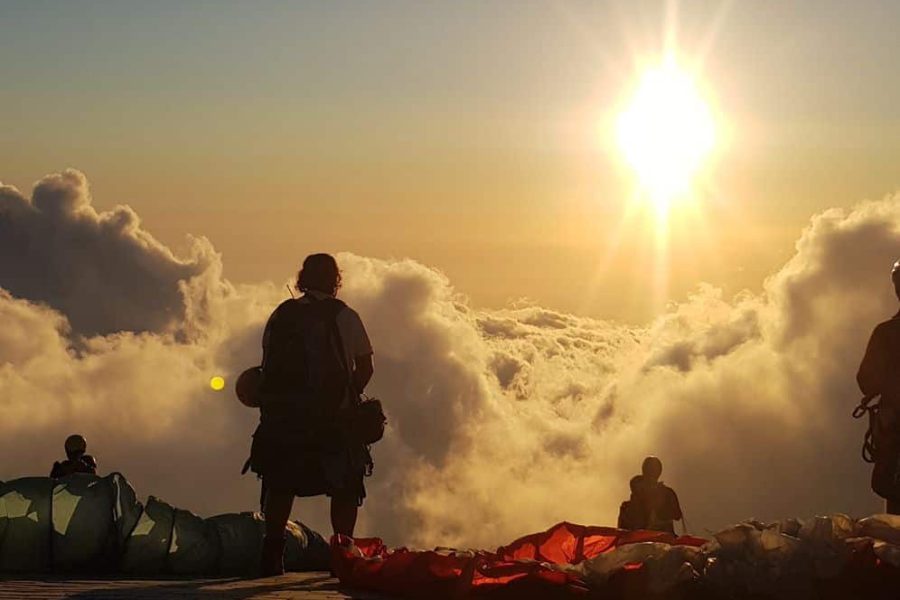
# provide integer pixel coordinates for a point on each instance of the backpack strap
(336, 333)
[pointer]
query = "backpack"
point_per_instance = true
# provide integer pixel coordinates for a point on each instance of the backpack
(303, 375)
(304, 389)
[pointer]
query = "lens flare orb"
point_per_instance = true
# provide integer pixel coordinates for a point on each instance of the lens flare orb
(217, 383)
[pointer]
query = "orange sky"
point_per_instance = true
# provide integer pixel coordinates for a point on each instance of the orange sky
(468, 136)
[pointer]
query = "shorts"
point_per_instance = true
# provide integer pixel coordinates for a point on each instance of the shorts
(335, 472)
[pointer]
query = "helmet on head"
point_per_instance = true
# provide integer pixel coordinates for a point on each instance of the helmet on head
(652, 467)
(247, 387)
(75, 444)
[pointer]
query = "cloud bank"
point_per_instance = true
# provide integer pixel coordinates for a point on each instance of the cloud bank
(501, 421)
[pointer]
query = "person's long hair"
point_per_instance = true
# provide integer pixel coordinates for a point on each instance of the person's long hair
(319, 272)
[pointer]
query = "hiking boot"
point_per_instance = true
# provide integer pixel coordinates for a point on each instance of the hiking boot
(272, 560)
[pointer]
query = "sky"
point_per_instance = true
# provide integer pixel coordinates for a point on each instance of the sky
(165, 167)
(473, 137)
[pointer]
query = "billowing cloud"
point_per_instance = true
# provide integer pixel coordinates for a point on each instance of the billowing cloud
(102, 270)
(501, 421)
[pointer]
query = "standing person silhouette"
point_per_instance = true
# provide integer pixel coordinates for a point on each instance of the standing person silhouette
(662, 505)
(317, 360)
(879, 375)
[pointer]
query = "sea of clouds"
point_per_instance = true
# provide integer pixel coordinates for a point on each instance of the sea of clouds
(501, 422)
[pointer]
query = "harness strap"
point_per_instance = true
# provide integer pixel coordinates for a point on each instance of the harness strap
(342, 356)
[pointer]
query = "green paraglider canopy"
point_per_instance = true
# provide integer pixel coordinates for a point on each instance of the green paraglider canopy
(86, 523)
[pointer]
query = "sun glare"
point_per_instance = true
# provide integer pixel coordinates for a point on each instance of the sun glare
(665, 132)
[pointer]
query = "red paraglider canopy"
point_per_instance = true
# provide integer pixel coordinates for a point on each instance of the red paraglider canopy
(528, 567)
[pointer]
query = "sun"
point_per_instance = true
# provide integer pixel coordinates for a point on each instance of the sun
(665, 133)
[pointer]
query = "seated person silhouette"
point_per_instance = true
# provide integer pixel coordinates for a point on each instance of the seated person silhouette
(76, 459)
(633, 512)
(662, 505)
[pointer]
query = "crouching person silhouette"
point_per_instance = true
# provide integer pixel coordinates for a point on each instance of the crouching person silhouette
(663, 508)
(76, 459)
(317, 360)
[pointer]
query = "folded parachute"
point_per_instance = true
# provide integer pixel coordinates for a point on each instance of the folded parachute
(88, 523)
(833, 557)
(542, 565)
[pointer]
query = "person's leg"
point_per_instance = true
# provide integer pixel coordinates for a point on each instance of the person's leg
(278, 504)
(343, 515)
